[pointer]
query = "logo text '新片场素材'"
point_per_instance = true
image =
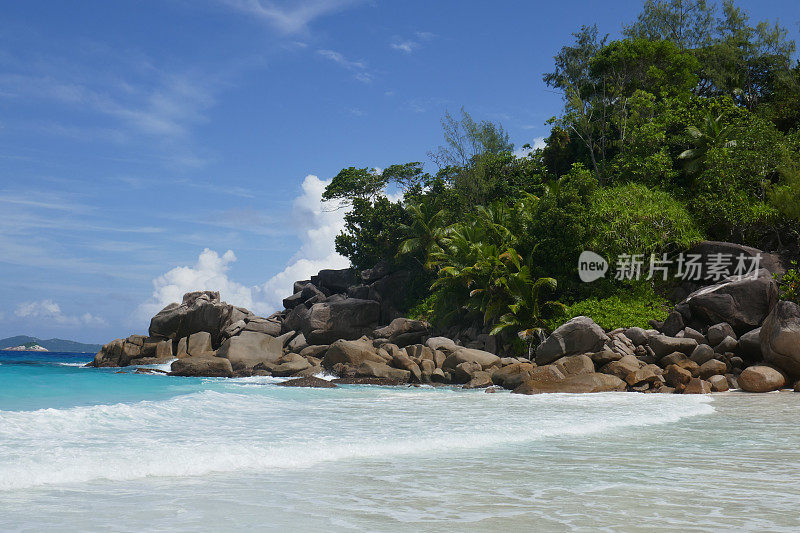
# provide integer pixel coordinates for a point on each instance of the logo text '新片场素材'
(686, 267)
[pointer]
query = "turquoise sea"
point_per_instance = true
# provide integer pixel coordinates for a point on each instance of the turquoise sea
(85, 449)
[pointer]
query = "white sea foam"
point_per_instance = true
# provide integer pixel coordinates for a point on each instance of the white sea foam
(75, 364)
(211, 431)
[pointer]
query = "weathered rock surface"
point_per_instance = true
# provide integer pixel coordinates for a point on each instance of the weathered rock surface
(663, 345)
(351, 353)
(697, 386)
(199, 311)
(469, 355)
(717, 333)
(381, 370)
(202, 365)
(761, 379)
(750, 345)
(744, 304)
(578, 336)
(347, 319)
(575, 364)
(780, 338)
(199, 343)
(251, 348)
(403, 331)
(309, 381)
(581, 383)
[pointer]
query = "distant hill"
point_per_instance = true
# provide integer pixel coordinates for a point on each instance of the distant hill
(53, 345)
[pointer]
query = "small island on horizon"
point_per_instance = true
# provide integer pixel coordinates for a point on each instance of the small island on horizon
(26, 343)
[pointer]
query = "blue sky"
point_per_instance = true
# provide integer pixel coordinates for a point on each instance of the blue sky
(149, 147)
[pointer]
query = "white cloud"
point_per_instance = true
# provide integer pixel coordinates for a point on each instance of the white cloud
(405, 46)
(358, 68)
(316, 225)
(210, 272)
(409, 45)
(292, 18)
(49, 310)
(536, 144)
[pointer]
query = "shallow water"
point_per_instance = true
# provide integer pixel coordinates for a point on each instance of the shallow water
(91, 449)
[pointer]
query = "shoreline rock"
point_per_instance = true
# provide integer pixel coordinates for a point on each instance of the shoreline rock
(733, 333)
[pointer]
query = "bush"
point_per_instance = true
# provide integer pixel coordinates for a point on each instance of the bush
(789, 284)
(632, 306)
(635, 219)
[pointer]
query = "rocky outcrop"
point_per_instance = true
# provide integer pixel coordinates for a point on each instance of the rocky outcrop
(346, 324)
(329, 321)
(250, 348)
(780, 338)
(578, 336)
(351, 353)
(403, 331)
(310, 381)
(741, 303)
(199, 311)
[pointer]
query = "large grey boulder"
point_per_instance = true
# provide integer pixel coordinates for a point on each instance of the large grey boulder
(351, 353)
(382, 370)
(199, 343)
(750, 345)
(348, 319)
(202, 365)
(251, 348)
(470, 355)
(742, 303)
(335, 281)
(780, 338)
(442, 344)
(663, 345)
(717, 333)
(761, 379)
(200, 311)
(578, 336)
(404, 331)
(579, 383)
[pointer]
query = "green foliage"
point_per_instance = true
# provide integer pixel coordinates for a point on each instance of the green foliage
(633, 306)
(557, 228)
(789, 284)
(712, 134)
(526, 315)
(687, 23)
(370, 233)
(785, 195)
(466, 139)
(636, 219)
(367, 184)
(688, 128)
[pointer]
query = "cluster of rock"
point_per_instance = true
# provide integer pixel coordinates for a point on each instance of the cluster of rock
(733, 334)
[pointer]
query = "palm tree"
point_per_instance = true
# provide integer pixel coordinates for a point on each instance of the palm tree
(710, 134)
(425, 231)
(529, 308)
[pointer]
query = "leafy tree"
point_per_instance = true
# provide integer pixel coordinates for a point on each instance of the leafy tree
(710, 134)
(367, 184)
(466, 140)
(687, 23)
(370, 234)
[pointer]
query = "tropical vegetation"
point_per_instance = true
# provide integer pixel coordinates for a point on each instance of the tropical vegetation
(686, 128)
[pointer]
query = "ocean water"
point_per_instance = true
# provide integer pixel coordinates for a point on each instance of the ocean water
(92, 449)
